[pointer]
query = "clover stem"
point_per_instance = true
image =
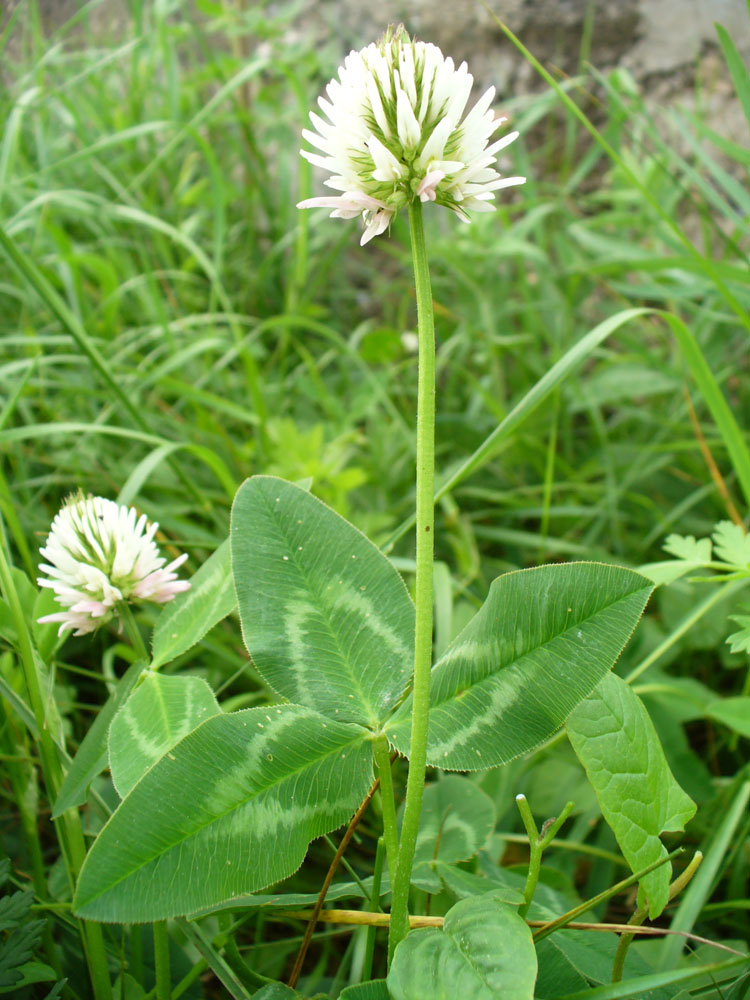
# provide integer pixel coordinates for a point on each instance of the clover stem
(425, 507)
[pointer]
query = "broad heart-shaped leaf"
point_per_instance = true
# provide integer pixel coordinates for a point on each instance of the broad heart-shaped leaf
(616, 742)
(158, 714)
(540, 643)
(228, 810)
(484, 952)
(91, 758)
(185, 621)
(457, 818)
(325, 616)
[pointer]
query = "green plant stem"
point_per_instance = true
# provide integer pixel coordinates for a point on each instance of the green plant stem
(136, 952)
(374, 907)
(161, 960)
(425, 510)
(601, 897)
(640, 914)
(538, 843)
(68, 826)
(382, 754)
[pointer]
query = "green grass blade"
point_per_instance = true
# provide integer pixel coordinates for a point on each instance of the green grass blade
(246, 73)
(634, 179)
(571, 360)
(729, 429)
(639, 987)
(737, 69)
(69, 321)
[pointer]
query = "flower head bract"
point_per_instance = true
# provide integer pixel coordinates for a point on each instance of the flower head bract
(99, 554)
(394, 132)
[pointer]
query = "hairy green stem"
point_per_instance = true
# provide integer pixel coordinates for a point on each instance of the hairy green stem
(382, 754)
(68, 826)
(425, 509)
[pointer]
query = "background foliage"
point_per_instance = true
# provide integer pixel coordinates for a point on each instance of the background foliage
(148, 184)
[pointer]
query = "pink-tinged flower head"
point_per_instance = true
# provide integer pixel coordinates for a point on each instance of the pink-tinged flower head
(100, 554)
(394, 131)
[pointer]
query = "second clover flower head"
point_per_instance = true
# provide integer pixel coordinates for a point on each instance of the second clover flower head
(394, 132)
(100, 554)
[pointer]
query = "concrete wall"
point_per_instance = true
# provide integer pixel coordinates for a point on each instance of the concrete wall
(668, 45)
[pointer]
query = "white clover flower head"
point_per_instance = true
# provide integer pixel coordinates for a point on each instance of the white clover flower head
(99, 554)
(395, 133)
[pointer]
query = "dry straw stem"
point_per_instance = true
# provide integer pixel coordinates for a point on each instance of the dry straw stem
(360, 918)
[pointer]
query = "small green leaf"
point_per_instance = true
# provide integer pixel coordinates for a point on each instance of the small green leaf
(456, 820)
(185, 621)
(538, 646)
(229, 810)
(732, 712)
(688, 548)
(739, 642)
(732, 544)
(277, 991)
(158, 714)
(462, 884)
(375, 989)
(125, 987)
(484, 951)
(325, 616)
(32, 972)
(666, 572)
(616, 742)
(91, 758)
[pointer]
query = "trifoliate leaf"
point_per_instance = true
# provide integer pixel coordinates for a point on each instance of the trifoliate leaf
(16, 950)
(732, 544)
(689, 548)
(739, 642)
